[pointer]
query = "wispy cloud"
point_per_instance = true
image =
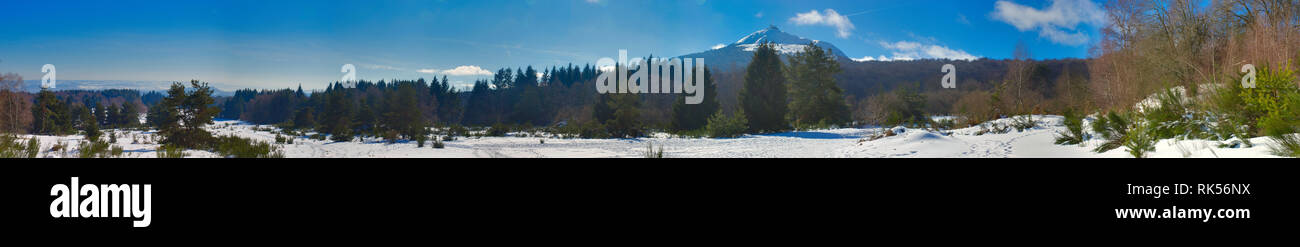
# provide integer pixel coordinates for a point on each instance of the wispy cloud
(843, 27)
(912, 50)
(1058, 22)
(463, 70)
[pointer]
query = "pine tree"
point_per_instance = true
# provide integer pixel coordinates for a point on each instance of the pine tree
(130, 116)
(763, 95)
(89, 124)
(691, 117)
(101, 115)
(337, 118)
(626, 121)
(187, 114)
(479, 109)
(814, 97)
(113, 116)
(50, 115)
(304, 119)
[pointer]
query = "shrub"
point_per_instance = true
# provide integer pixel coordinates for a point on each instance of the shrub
(1114, 128)
(169, 151)
(1140, 140)
(33, 148)
(1173, 117)
(1287, 145)
(721, 126)
(497, 129)
(457, 130)
(235, 147)
(342, 136)
(420, 139)
(652, 153)
(943, 124)
(437, 143)
(11, 147)
(1271, 106)
(1074, 129)
(1023, 122)
(98, 149)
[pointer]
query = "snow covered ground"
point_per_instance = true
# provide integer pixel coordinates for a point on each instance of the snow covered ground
(841, 143)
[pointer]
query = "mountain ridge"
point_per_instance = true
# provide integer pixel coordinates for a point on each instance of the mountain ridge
(739, 53)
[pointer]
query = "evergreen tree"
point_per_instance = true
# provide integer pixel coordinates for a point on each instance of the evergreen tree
(763, 94)
(112, 116)
(691, 117)
(187, 114)
(50, 115)
(89, 124)
(402, 114)
(337, 115)
(626, 121)
(449, 105)
(130, 116)
(304, 119)
(479, 109)
(100, 114)
(814, 96)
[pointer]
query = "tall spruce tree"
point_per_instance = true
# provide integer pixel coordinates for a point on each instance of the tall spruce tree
(814, 97)
(763, 94)
(691, 117)
(89, 123)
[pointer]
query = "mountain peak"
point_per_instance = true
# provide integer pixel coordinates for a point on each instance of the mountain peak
(740, 52)
(772, 34)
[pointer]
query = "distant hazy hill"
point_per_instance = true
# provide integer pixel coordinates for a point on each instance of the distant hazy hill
(143, 86)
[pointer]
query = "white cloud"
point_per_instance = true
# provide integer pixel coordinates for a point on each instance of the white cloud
(1059, 22)
(901, 45)
(463, 70)
(843, 27)
(759, 15)
(910, 50)
(594, 1)
(381, 67)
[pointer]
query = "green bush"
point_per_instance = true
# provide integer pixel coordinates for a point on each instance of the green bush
(721, 126)
(1287, 145)
(33, 148)
(235, 147)
(98, 149)
(1114, 128)
(1271, 108)
(11, 147)
(1139, 140)
(342, 136)
(168, 151)
(420, 139)
(1023, 122)
(497, 129)
(437, 143)
(1074, 129)
(1175, 118)
(651, 152)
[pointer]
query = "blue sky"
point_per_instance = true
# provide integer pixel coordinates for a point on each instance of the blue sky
(277, 44)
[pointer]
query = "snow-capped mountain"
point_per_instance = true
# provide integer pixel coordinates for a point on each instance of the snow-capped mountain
(738, 54)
